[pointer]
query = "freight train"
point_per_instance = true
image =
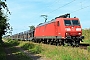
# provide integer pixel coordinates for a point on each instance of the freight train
(59, 31)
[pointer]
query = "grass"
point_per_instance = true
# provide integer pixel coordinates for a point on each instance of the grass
(66, 53)
(88, 48)
(12, 42)
(57, 52)
(31, 47)
(86, 34)
(26, 45)
(37, 49)
(86, 41)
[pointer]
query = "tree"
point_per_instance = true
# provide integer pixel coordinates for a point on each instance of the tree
(32, 27)
(4, 26)
(4, 5)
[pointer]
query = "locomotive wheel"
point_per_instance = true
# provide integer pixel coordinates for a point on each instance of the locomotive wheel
(58, 43)
(35, 40)
(69, 44)
(73, 43)
(45, 41)
(40, 40)
(48, 41)
(63, 42)
(77, 43)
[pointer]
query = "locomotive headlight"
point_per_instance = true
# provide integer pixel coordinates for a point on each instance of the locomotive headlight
(67, 34)
(68, 29)
(78, 29)
(79, 33)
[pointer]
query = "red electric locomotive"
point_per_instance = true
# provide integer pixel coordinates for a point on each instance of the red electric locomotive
(60, 30)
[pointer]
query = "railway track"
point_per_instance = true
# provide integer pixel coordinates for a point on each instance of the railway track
(84, 45)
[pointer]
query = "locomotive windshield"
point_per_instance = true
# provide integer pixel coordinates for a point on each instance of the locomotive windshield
(75, 22)
(67, 22)
(71, 22)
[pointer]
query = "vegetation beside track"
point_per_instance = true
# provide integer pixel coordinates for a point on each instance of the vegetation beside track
(88, 48)
(86, 33)
(15, 51)
(56, 52)
(66, 53)
(33, 48)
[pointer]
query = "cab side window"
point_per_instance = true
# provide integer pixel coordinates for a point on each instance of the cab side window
(58, 23)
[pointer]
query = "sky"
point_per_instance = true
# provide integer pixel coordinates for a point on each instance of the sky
(25, 13)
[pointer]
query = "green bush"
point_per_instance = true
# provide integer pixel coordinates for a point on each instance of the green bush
(13, 42)
(28, 46)
(10, 43)
(37, 49)
(33, 48)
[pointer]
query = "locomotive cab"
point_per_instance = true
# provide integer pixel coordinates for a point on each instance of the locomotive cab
(73, 31)
(69, 29)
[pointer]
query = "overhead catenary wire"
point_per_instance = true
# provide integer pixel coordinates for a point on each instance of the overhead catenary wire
(55, 2)
(72, 11)
(47, 6)
(67, 4)
(80, 9)
(62, 6)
